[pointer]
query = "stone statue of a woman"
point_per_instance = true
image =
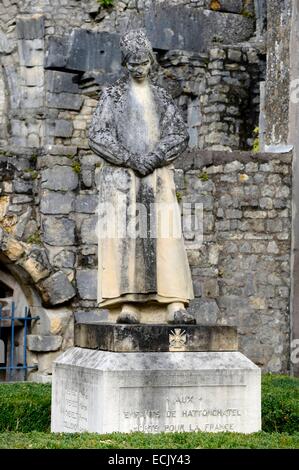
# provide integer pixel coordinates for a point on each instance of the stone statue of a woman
(138, 131)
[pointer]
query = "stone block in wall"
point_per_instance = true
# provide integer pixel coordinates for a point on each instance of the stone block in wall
(234, 55)
(217, 54)
(60, 128)
(59, 178)
(206, 311)
(33, 140)
(45, 365)
(55, 202)
(178, 27)
(210, 288)
(56, 289)
(24, 222)
(22, 186)
(69, 150)
(87, 283)
(31, 53)
(88, 256)
(87, 175)
(6, 46)
(91, 316)
(12, 248)
(32, 76)
(84, 50)
(33, 97)
(58, 231)
(60, 82)
(60, 319)
(68, 101)
(232, 303)
(87, 203)
(88, 230)
(21, 199)
(57, 50)
(197, 286)
(19, 131)
(31, 27)
(36, 264)
(64, 259)
(46, 343)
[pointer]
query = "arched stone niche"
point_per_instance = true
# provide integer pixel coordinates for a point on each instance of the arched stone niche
(10, 291)
(47, 335)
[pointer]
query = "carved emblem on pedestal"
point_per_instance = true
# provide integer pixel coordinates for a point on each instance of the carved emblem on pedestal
(177, 340)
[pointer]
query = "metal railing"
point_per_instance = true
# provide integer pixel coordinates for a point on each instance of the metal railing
(8, 350)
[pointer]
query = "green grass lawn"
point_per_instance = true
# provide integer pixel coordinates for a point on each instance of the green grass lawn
(195, 440)
(25, 423)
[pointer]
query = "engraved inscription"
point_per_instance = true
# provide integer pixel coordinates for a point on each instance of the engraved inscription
(76, 410)
(176, 412)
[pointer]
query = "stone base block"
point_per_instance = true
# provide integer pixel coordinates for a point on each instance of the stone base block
(105, 392)
(155, 338)
(148, 313)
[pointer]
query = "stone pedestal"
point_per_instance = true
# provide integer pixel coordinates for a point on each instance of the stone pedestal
(155, 337)
(104, 391)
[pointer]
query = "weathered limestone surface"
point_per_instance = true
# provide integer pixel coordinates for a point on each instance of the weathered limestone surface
(155, 337)
(102, 391)
(241, 272)
(278, 71)
(44, 343)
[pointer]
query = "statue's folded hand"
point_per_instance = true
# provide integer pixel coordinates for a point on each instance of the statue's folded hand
(140, 164)
(152, 161)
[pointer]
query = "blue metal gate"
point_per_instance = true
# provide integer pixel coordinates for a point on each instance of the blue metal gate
(10, 368)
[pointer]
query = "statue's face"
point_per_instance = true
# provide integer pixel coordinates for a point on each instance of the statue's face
(139, 66)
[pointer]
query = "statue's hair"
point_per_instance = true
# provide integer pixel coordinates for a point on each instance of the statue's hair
(133, 42)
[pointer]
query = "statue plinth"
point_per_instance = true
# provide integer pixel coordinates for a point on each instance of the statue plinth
(155, 378)
(155, 337)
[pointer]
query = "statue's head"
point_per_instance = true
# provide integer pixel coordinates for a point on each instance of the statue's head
(137, 54)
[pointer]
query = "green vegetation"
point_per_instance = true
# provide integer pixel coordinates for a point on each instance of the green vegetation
(25, 407)
(280, 404)
(35, 238)
(196, 440)
(33, 158)
(179, 196)
(247, 13)
(76, 166)
(256, 141)
(106, 3)
(203, 176)
(33, 173)
(5, 153)
(25, 413)
(247, 10)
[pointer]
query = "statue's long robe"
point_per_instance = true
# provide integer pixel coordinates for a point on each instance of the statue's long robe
(135, 119)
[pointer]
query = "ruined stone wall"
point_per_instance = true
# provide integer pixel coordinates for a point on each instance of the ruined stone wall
(79, 39)
(241, 272)
(231, 98)
(218, 93)
(55, 58)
